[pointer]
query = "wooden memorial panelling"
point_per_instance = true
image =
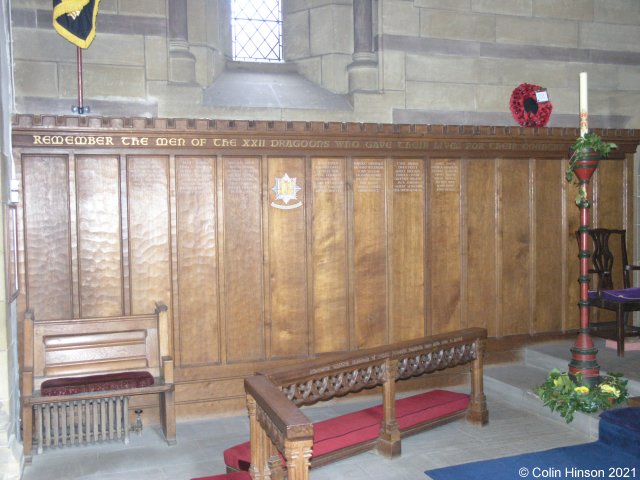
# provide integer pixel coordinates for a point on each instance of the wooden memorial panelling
(482, 243)
(330, 299)
(289, 326)
(406, 229)
(149, 231)
(369, 253)
(243, 259)
(547, 250)
(197, 292)
(274, 242)
(445, 246)
(515, 227)
(47, 231)
(100, 275)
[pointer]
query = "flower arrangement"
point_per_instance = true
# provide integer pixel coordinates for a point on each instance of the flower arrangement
(589, 143)
(561, 394)
(526, 109)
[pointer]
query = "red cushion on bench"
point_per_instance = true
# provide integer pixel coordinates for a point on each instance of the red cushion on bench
(411, 411)
(96, 383)
(227, 476)
(364, 425)
(329, 435)
(238, 457)
(346, 430)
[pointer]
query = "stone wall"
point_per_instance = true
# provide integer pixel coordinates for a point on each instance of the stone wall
(10, 448)
(432, 61)
(451, 60)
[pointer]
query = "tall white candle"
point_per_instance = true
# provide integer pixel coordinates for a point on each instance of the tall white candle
(584, 101)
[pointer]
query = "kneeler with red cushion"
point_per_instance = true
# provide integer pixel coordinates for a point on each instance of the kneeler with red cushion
(364, 425)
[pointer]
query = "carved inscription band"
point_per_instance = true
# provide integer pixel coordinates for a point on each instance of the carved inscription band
(273, 143)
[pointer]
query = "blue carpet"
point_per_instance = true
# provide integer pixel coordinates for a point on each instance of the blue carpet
(616, 454)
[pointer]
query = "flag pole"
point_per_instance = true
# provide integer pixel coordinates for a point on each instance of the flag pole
(80, 108)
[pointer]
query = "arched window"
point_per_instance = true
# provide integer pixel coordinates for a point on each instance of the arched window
(256, 30)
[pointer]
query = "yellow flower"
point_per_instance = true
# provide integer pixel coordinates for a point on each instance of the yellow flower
(606, 388)
(583, 390)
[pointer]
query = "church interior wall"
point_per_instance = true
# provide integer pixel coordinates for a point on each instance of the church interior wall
(430, 62)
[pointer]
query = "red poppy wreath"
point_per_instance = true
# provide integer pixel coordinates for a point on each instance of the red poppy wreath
(526, 108)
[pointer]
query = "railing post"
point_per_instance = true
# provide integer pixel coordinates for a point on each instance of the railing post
(297, 454)
(259, 440)
(389, 444)
(477, 411)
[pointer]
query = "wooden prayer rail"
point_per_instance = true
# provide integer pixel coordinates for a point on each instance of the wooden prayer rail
(274, 398)
(82, 347)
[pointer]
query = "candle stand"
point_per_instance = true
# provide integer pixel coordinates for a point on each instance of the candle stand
(583, 353)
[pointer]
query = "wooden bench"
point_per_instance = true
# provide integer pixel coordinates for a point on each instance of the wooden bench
(78, 375)
(281, 434)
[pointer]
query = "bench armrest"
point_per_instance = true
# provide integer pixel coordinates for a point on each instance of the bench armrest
(277, 425)
(167, 369)
(287, 418)
(27, 383)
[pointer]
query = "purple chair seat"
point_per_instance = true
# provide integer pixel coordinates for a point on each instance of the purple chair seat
(623, 295)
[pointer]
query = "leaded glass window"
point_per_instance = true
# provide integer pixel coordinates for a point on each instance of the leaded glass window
(257, 30)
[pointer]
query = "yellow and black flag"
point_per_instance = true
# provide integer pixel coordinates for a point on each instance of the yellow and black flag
(75, 20)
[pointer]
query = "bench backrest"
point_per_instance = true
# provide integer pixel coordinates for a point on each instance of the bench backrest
(88, 346)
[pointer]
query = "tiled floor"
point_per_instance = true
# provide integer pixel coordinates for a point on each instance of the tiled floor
(200, 446)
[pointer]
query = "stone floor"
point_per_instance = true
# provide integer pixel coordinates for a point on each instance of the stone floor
(512, 429)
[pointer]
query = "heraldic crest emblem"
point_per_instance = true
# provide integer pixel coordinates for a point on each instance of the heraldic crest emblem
(286, 190)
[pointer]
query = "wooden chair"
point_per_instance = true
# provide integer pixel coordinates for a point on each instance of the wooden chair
(614, 291)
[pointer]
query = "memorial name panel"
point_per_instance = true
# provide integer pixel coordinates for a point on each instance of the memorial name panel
(444, 264)
(196, 207)
(407, 215)
(243, 259)
(329, 255)
(369, 253)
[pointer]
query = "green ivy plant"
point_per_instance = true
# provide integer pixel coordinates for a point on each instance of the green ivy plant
(590, 142)
(561, 394)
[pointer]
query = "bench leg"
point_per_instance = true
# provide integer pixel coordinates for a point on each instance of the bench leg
(168, 416)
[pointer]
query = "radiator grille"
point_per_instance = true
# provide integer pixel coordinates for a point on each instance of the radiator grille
(79, 422)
